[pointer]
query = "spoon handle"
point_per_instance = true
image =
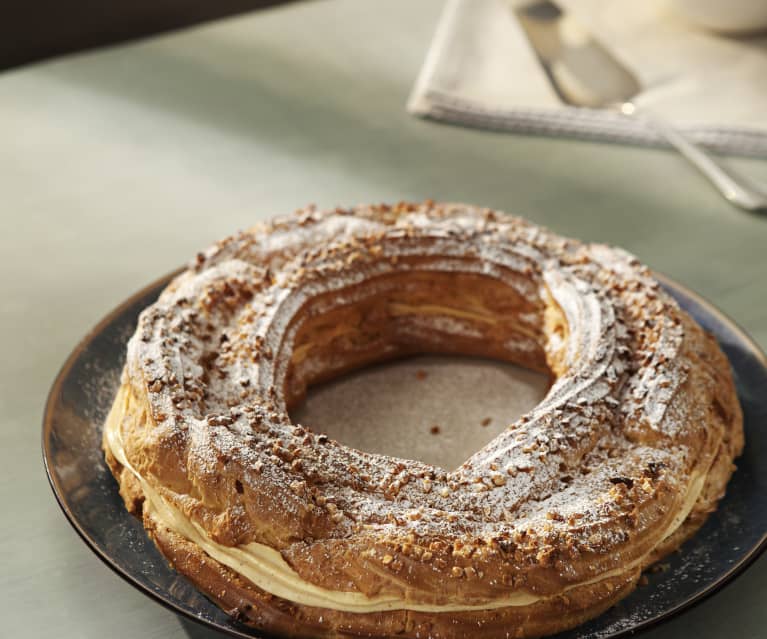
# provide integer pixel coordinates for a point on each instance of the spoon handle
(733, 190)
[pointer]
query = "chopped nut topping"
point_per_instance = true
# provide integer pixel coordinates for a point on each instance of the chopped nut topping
(216, 347)
(498, 479)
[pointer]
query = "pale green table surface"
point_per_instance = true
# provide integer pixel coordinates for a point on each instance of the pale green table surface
(119, 165)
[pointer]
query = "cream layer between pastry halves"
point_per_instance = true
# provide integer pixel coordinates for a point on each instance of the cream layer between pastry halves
(266, 568)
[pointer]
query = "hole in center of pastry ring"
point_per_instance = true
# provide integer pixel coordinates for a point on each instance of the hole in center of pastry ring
(433, 408)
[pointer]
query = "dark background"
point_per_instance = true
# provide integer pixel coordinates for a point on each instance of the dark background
(38, 29)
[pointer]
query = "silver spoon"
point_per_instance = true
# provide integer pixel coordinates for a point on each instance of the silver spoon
(584, 73)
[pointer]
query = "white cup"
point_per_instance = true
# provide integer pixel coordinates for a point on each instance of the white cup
(724, 16)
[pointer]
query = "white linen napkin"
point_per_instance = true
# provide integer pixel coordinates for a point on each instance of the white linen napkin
(481, 71)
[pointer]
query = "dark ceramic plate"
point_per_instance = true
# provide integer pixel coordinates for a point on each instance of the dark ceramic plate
(81, 396)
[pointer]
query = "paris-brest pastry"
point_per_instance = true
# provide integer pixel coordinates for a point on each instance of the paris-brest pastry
(546, 526)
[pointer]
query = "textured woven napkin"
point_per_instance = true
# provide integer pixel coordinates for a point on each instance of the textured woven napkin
(481, 71)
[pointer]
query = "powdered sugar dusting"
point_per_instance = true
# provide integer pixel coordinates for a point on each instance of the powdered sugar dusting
(217, 351)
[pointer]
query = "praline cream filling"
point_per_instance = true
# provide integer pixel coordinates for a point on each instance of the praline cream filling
(266, 568)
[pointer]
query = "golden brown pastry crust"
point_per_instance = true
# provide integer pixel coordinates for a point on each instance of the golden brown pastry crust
(568, 505)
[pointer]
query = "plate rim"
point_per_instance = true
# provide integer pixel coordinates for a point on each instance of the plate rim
(732, 573)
